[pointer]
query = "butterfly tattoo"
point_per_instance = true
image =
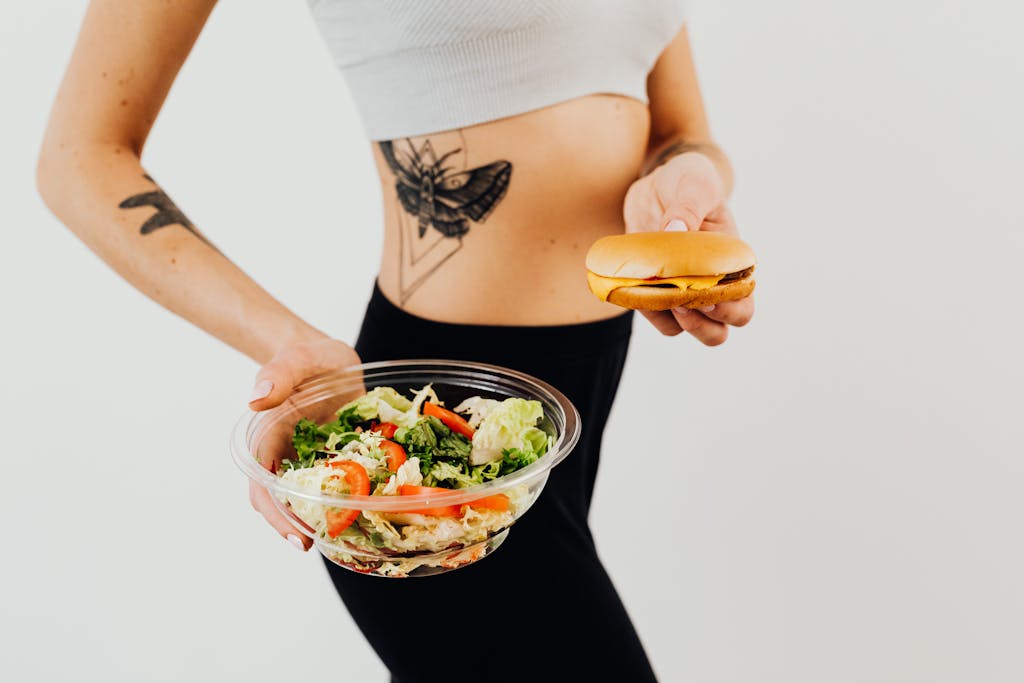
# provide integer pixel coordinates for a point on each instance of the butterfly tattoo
(440, 197)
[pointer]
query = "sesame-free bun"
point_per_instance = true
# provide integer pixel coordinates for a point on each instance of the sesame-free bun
(647, 298)
(666, 269)
(669, 254)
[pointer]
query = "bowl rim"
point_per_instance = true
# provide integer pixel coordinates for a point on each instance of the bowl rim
(246, 461)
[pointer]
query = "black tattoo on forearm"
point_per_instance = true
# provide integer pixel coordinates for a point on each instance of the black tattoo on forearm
(679, 147)
(167, 213)
(442, 198)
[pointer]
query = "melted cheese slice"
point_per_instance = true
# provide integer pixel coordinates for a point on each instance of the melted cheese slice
(604, 286)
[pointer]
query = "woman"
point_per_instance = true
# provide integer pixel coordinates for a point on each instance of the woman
(508, 137)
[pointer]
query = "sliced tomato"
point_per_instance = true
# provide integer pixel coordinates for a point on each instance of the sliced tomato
(497, 502)
(441, 510)
(395, 454)
(452, 421)
(387, 429)
(339, 519)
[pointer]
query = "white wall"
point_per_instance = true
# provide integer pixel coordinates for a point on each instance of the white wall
(838, 497)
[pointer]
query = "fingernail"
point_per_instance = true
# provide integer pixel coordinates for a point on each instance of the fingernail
(261, 390)
(676, 224)
(708, 309)
(296, 541)
(680, 310)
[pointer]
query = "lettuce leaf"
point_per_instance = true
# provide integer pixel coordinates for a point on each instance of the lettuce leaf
(509, 425)
(516, 458)
(451, 475)
(307, 439)
(383, 403)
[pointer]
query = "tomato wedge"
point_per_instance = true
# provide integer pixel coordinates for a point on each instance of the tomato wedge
(395, 454)
(387, 429)
(339, 519)
(497, 502)
(440, 511)
(452, 421)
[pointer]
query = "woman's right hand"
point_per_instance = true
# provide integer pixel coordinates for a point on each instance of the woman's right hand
(291, 366)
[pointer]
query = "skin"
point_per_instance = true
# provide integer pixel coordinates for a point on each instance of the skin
(582, 169)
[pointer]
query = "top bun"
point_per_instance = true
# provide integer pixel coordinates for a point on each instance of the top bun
(664, 254)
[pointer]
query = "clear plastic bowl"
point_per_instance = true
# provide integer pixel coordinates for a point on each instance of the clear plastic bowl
(261, 440)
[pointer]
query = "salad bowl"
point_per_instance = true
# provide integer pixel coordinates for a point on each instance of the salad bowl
(399, 535)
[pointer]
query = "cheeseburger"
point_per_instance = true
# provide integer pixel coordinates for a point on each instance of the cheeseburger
(656, 271)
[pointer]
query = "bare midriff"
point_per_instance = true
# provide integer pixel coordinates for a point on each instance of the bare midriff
(567, 172)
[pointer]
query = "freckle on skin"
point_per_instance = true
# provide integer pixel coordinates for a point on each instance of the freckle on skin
(173, 260)
(103, 75)
(124, 103)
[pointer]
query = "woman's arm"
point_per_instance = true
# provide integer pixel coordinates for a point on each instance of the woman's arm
(91, 176)
(679, 123)
(685, 184)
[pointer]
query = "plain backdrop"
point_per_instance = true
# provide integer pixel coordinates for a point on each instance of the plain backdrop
(834, 495)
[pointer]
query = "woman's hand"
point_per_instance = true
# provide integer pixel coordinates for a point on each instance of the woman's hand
(275, 382)
(687, 193)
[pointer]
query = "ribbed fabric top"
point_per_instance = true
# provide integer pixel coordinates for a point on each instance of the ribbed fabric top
(422, 66)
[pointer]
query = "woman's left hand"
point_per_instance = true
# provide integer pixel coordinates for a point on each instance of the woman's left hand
(686, 193)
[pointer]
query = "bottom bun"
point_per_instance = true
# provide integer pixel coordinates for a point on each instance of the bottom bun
(648, 298)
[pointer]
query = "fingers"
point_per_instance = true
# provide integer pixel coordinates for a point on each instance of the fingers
(697, 322)
(276, 380)
(664, 322)
(735, 313)
(695, 189)
(642, 209)
(261, 502)
(707, 331)
(293, 365)
(721, 220)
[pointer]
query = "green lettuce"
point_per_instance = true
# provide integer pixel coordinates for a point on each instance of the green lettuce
(383, 403)
(448, 474)
(307, 439)
(509, 425)
(513, 459)
(430, 440)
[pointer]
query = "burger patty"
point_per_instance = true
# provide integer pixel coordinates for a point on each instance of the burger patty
(738, 275)
(731, 277)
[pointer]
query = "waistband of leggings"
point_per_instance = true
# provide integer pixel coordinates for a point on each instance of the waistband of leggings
(594, 334)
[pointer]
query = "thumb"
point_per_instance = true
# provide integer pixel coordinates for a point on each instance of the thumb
(695, 192)
(276, 380)
(293, 365)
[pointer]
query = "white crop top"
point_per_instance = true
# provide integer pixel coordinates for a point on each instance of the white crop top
(422, 66)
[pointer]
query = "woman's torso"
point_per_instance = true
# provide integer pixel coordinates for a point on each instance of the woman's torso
(543, 108)
(550, 183)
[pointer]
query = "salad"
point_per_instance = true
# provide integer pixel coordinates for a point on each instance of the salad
(387, 444)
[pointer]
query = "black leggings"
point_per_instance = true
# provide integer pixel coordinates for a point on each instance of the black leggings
(541, 608)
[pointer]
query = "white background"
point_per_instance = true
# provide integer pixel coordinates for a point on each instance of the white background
(834, 495)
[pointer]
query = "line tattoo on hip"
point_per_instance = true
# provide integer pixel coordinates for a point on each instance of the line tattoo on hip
(442, 199)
